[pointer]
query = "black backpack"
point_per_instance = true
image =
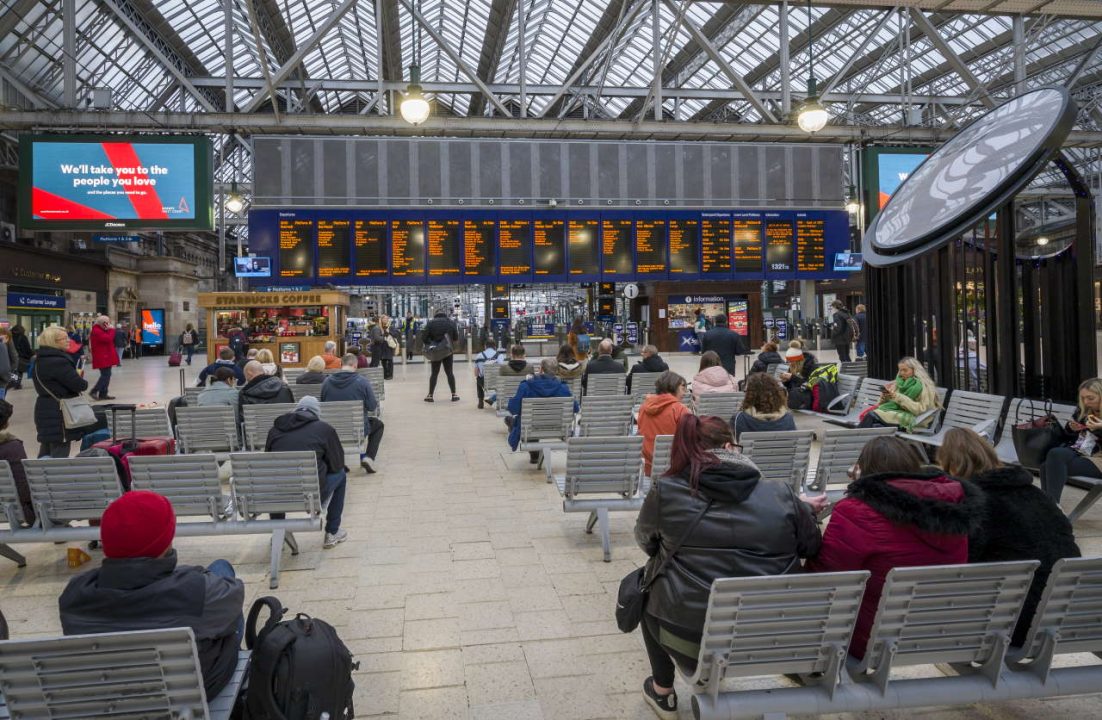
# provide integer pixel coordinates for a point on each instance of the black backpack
(299, 668)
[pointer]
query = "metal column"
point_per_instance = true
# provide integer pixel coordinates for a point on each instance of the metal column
(69, 52)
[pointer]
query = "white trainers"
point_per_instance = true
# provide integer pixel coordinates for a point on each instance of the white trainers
(335, 539)
(368, 463)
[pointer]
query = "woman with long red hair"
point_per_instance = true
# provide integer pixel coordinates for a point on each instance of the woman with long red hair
(729, 523)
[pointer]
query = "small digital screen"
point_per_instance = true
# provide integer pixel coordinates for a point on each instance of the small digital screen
(810, 245)
(684, 247)
(333, 247)
(370, 241)
(606, 288)
(296, 248)
(616, 247)
(478, 248)
(252, 267)
(650, 246)
(606, 307)
(583, 247)
(443, 248)
(407, 241)
(747, 236)
(715, 245)
(514, 238)
(153, 326)
(847, 262)
(499, 309)
(779, 236)
(549, 238)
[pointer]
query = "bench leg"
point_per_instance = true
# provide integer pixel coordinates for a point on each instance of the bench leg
(291, 542)
(1085, 504)
(606, 533)
(278, 538)
(10, 554)
(590, 522)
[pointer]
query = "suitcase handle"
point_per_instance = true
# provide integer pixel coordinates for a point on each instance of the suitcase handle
(115, 408)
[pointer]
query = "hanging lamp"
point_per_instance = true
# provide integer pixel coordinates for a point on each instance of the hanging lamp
(812, 116)
(414, 107)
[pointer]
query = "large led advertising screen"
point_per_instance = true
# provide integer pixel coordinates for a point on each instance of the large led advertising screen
(131, 182)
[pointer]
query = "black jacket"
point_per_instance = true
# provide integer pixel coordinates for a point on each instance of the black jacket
(652, 364)
(603, 364)
(754, 527)
(727, 344)
(301, 430)
(1070, 436)
(209, 371)
(765, 359)
(54, 371)
(23, 349)
(745, 421)
(862, 324)
(799, 379)
(12, 450)
(1020, 522)
(156, 593)
(840, 331)
(438, 327)
(379, 347)
(263, 390)
(311, 378)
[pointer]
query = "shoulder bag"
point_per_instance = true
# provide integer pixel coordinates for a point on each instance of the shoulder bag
(1035, 437)
(76, 412)
(436, 350)
(631, 599)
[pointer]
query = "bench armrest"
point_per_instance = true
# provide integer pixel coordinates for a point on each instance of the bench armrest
(842, 401)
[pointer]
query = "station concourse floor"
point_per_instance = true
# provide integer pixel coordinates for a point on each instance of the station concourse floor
(463, 590)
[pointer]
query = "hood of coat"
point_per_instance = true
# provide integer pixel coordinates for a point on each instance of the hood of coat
(132, 573)
(732, 480)
(294, 420)
(569, 366)
(517, 365)
(764, 416)
(52, 353)
(544, 386)
(263, 386)
(929, 501)
(769, 357)
(654, 363)
(713, 377)
(658, 404)
(1004, 477)
(343, 379)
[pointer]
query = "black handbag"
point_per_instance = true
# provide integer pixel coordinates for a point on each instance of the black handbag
(1034, 438)
(631, 599)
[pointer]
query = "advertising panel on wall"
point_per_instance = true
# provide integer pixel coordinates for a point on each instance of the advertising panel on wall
(153, 326)
(98, 182)
(885, 169)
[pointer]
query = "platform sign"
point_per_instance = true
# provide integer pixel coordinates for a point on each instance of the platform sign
(632, 330)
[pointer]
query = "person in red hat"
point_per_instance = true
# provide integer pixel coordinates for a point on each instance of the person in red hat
(140, 587)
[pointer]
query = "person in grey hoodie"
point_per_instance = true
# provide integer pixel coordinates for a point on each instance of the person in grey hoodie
(350, 385)
(223, 391)
(261, 389)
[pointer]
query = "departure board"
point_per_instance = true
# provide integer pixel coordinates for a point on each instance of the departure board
(407, 243)
(810, 245)
(369, 237)
(747, 236)
(650, 246)
(444, 248)
(514, 247)
(779, 241)
(684, 247)
(715, 245)
(549, 237)
(478, 248)
(499, 309)
(583, 247)
(333, 247)
(616, 247)
(296, 247)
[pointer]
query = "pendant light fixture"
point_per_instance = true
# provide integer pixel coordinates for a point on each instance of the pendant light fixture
(414, 107)
(812, 116)
(235, 201)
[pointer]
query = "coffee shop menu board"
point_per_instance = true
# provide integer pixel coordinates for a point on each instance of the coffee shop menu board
(404, 247)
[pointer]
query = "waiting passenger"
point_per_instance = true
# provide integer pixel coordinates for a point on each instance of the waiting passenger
(303, 429)
(603, 364)
(12, 450)
(660, 413)
(765, 407)
(261, 389)
(329, 355)
(362, 360)
(895, 514)
(652, 362)
(139, 586)
(247, 358)
(568, 366)
(911, 394)
(350, 385)
(712, 376)
(544, 385)
(55, 378)
(1082, 454)
(518, 363)
(768, 355)
(315, 372)
(223, 391)
(737, 525)
(727, 343)
(1019, 521)
(800, 366)
(490, 355)
(225, 359)
(267, 361)
(442, 334)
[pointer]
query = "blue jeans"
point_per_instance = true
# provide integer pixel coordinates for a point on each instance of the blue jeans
(860, 348)
(222, 568)
(333, 490)
(100, 387)
(190, 349)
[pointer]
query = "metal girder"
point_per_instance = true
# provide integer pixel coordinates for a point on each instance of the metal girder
(277, 35)
(604, 32)
(36, 98)
(266, 124)
(17, 12)
(389, 38)
(262, 59)
(493, 45)
(951, 56)
(69, 53)
(832, 82)
(1086, 10)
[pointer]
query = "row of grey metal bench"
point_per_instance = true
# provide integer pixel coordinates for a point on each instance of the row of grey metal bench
(74, 490)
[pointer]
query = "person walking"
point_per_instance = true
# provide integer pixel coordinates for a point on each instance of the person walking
(188, 340)
(441, 335)
(23, 352)
(105, 355)
(726, 343)
(136, 341)
(55, 378)
(862, 331)
(409, 330)
(841, 330)
(121, 341)
(700, 329)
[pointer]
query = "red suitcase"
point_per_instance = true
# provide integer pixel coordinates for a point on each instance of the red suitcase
(122, 448)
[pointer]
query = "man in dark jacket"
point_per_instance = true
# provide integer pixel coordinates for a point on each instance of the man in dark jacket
(303, 430)
(140, 587)
(544, 385)
(862, 331)
(602, 364)
(122, 339)
(841, 333)
(225, 359)
(651, 363)
(261, 389)
(725, 342)
(350, 385)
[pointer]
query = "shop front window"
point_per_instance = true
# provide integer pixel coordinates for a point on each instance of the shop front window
(263, 325)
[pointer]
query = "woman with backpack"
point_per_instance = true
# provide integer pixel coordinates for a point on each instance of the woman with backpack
(188, 340)
(843, 330)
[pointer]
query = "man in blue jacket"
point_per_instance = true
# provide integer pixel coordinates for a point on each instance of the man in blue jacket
(544, 385)
(350, 385)
(225, 360)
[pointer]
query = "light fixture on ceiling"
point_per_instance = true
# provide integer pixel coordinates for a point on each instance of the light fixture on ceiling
(1042, 240)
(812, 116)
(414, 107)
(853, 206)
(235, 201)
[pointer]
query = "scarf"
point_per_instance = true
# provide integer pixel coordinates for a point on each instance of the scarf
(912, 388)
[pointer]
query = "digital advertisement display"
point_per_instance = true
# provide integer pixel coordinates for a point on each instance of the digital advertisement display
(892, 170)
(153, 326)
(847, 262)
(97, 182)
(252, 267)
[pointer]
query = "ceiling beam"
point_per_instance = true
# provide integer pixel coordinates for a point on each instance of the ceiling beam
(603, 34)
(493, 45)
(923, 23)
(389, 38)
(1075, 9)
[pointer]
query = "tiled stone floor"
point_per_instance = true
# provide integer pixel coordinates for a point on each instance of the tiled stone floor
(464, 590)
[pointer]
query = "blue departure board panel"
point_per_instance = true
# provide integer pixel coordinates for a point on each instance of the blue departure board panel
(409, 247)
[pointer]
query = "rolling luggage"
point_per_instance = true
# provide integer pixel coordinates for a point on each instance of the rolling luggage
(122, 448)
(175, 358)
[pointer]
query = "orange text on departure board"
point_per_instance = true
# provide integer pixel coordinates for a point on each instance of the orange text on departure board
(616, 246)
(583, 247)
(333, 247)
(294, 246)
(511, 242)
(369, 237)
(548, 236)
(650, 246)
(477, 238)
(683, 242)
(747, 236)
(810, 245)
(715, 245)
(443, 247)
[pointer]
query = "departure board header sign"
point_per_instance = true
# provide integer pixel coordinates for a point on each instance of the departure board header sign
(97, 182)
(408, 247)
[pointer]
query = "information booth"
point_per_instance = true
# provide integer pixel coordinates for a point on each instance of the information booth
(294, 325)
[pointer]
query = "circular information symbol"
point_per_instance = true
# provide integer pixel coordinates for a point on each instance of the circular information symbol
(631, 291)
(980, 168)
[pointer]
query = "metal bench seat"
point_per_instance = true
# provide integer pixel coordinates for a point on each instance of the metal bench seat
(605, 416)
(642, 384)
(212, 428)
(843, 403)
(606, 384)
(724, 405)
(545, 424)
(977, 411)
(837, 454)
(780, 456)
(506, 390)
(1021, 410)
(865, 396)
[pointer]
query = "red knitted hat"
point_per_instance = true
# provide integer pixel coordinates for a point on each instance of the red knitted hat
(139, 524)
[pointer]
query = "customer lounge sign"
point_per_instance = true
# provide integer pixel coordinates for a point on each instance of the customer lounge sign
(33, 301)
